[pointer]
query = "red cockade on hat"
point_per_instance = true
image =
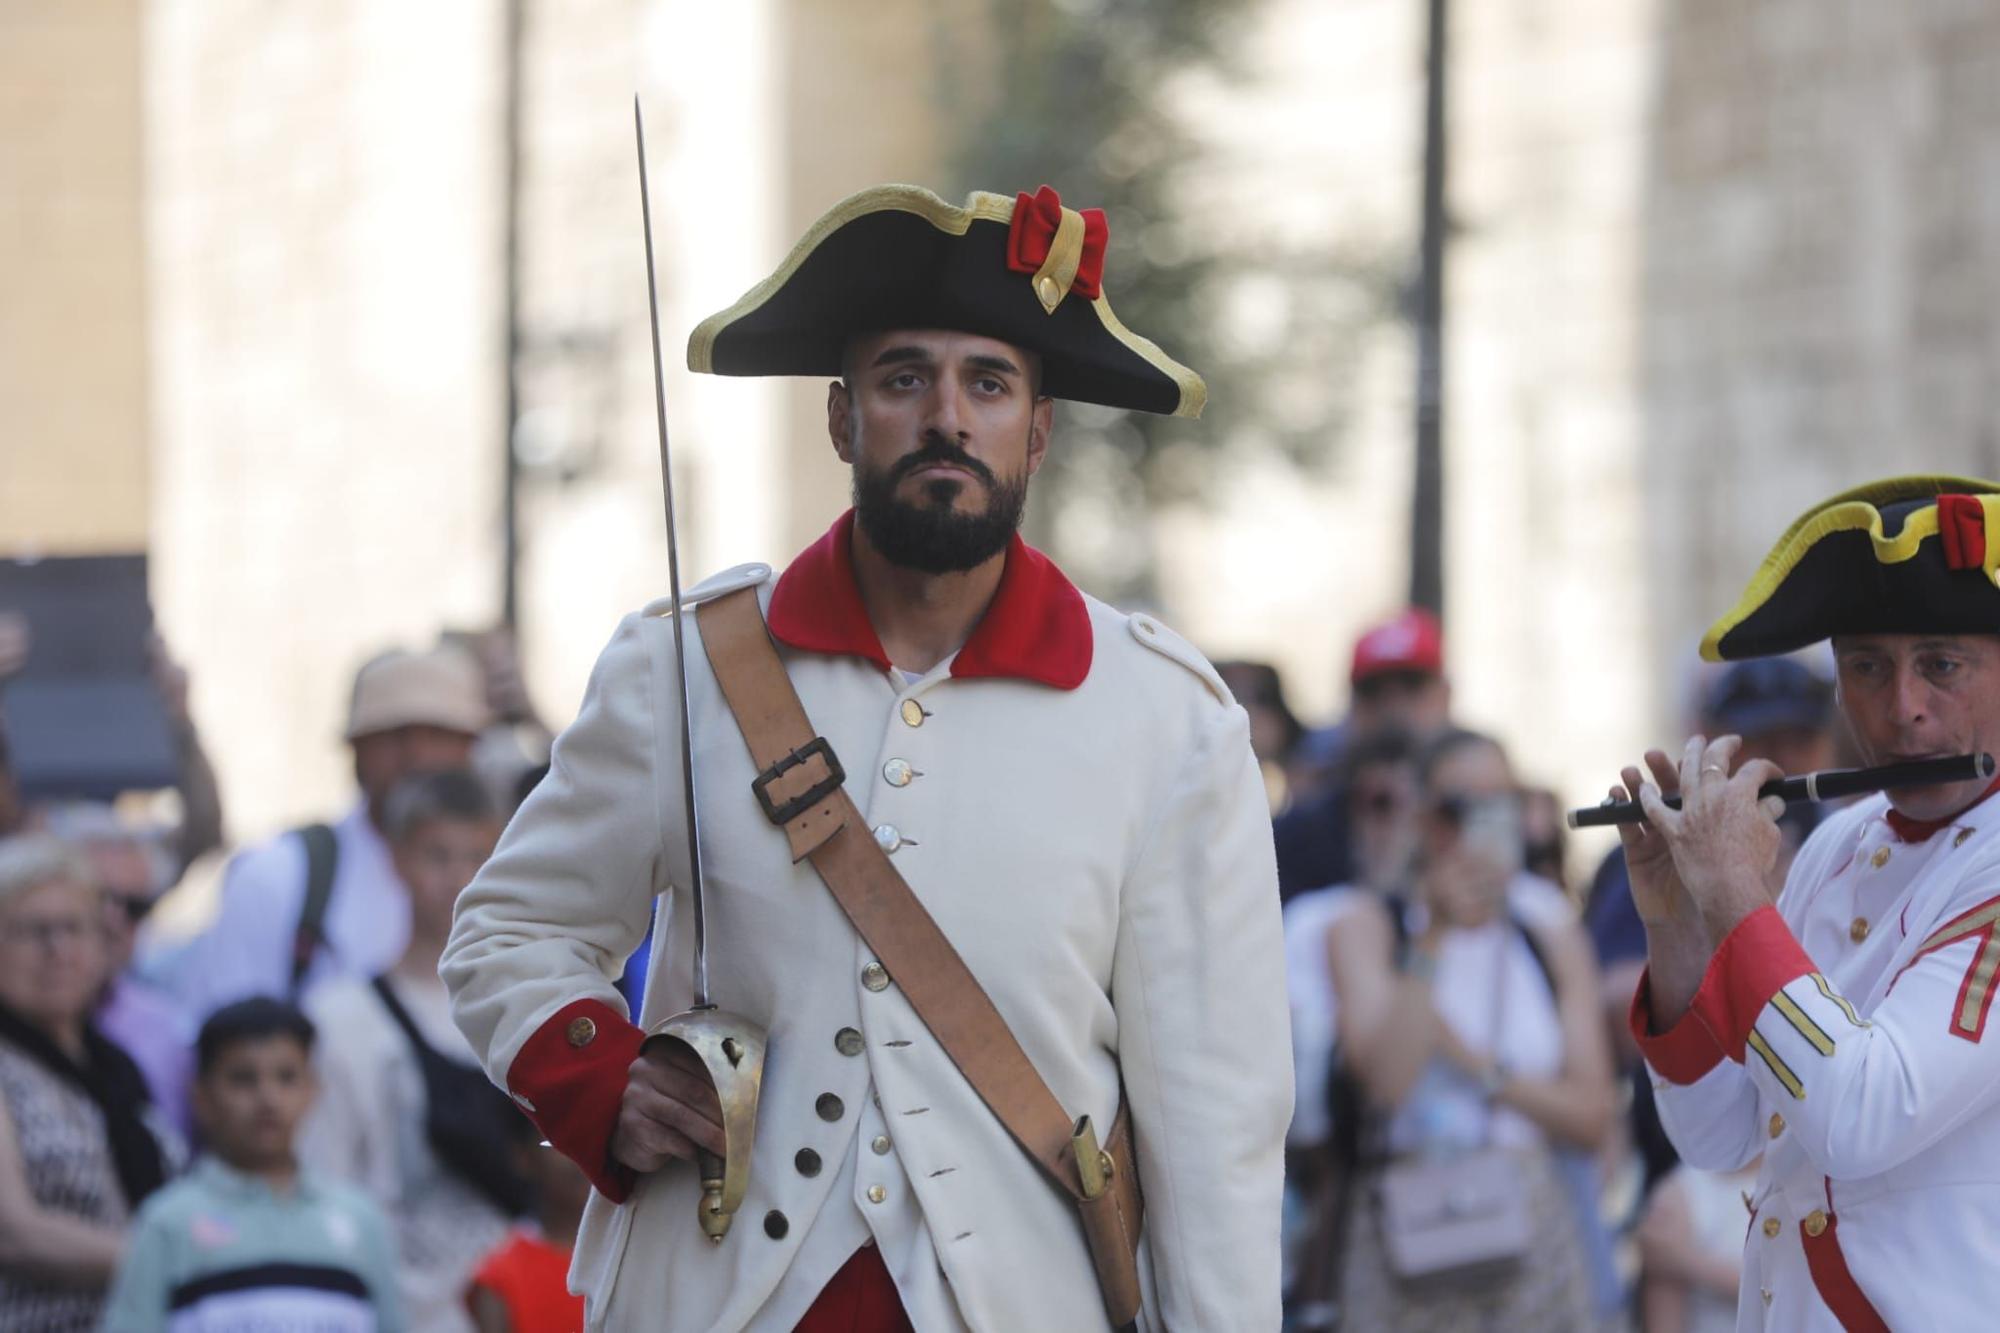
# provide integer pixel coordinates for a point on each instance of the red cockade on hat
(1962, 528)
(1037, 216)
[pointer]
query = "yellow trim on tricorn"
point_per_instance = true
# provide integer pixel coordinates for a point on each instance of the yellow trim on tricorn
(947, 218)
(1858, 510)
(1052, 280)
(1194, 391)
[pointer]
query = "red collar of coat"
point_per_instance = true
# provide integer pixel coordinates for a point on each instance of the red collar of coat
(1036, 628)
(1920, 830)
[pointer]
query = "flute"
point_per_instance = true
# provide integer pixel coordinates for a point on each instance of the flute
(1827, 785)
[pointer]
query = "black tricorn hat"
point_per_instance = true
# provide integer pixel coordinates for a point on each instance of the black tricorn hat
(1909, 555)
(1024, 270)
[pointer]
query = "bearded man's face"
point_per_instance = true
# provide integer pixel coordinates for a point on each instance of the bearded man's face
(943, 430)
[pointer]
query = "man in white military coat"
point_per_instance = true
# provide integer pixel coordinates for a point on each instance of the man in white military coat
(1068, 789)
(1844, 1032)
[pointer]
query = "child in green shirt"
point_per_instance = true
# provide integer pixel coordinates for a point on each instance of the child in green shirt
(245, 1242)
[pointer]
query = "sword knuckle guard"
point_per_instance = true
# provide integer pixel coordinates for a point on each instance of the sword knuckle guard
(731, 1049)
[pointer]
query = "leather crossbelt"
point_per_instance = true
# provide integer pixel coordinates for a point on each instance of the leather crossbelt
(799, 784)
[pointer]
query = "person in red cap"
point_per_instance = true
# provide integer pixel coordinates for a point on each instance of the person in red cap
(1397, 683)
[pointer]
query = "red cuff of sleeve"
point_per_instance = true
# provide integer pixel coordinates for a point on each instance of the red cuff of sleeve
(1754, 962)
(1685, 1052)
(570, 1078)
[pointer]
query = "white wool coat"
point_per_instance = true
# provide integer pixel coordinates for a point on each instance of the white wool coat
(1100, 856)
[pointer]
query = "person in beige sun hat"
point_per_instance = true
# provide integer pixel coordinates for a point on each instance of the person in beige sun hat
(324, 900)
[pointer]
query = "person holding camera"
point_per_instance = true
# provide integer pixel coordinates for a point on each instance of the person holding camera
(1471, 1046)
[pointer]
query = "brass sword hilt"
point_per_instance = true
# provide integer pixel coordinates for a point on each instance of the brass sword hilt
(731, 1048)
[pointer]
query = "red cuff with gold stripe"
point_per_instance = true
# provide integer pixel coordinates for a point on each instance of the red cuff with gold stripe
(571, 1075)
(1685, 1052)
(1754, 962)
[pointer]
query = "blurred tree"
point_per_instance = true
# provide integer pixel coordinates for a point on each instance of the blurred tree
(1094, 97)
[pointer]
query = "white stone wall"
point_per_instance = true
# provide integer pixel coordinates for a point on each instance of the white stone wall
(325, 215)
(1821, 294)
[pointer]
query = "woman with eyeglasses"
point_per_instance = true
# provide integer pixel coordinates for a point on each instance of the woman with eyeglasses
(79, 1147)
(1470, 1048)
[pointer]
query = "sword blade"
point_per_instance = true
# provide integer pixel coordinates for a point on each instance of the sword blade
(701, 998)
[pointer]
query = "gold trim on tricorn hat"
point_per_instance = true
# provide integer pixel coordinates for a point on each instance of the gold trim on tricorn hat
(1909, 555)
(898, 256)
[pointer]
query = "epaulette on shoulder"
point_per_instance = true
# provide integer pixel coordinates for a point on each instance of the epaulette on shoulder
(710, 588)
(1169, 644)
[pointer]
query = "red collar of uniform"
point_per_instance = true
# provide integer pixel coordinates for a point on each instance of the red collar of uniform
(1036, 628)
(1917, 830)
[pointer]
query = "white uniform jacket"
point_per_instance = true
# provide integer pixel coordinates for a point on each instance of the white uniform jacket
(1844, 1034)
(1074, 799)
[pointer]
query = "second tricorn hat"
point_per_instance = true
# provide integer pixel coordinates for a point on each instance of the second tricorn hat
(1024, 270)
(1909, 555)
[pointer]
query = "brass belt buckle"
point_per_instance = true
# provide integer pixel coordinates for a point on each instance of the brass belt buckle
(731, 1048)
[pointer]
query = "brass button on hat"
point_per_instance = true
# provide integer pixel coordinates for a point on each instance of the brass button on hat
(1857, 929)
(847, 1041)
(582, 1032)
(1815, 1222)
(776, 1225)
(876, 1194)
(830, 1107)
(1880, 859)
(913, 713)
(875, 976)
(880, 1145)
(1772, 1226)
(1777, 1124)
(888, 837)
(898, 772)
(807, 1161)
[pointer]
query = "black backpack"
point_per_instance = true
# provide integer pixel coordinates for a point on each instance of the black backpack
(322, 857)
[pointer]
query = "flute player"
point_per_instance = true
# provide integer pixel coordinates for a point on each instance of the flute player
(1843, 1030)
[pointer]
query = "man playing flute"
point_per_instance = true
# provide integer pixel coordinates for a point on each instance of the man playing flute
(1843, 1031)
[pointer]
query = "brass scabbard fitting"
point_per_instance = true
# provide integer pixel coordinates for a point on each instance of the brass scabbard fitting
(731, 1048)
(1094, 1167)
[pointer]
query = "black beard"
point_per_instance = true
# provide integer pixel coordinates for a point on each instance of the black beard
(934, 538)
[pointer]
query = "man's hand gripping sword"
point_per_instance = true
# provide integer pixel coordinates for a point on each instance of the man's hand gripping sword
(729, 1046)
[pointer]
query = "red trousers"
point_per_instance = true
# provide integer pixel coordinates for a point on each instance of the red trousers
(861, 1298)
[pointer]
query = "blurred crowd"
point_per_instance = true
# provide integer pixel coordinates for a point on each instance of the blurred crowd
(273, 1118)
(1475, 1144)
(277, 1111)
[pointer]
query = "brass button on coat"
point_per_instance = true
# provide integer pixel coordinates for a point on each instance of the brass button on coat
(1857, 929)
(1777, 1124)
(1815, 1222)
(876, 1194)
(1772, 1226)
(1880, 859)
(875, 977)
(913, 713)
(830, 1107)
(776, 1225)
(898, 772)
(880, 1145)
(582, 1032)
(807, 1161)
(847, 1041)
(1959, 840)
(888, 837)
